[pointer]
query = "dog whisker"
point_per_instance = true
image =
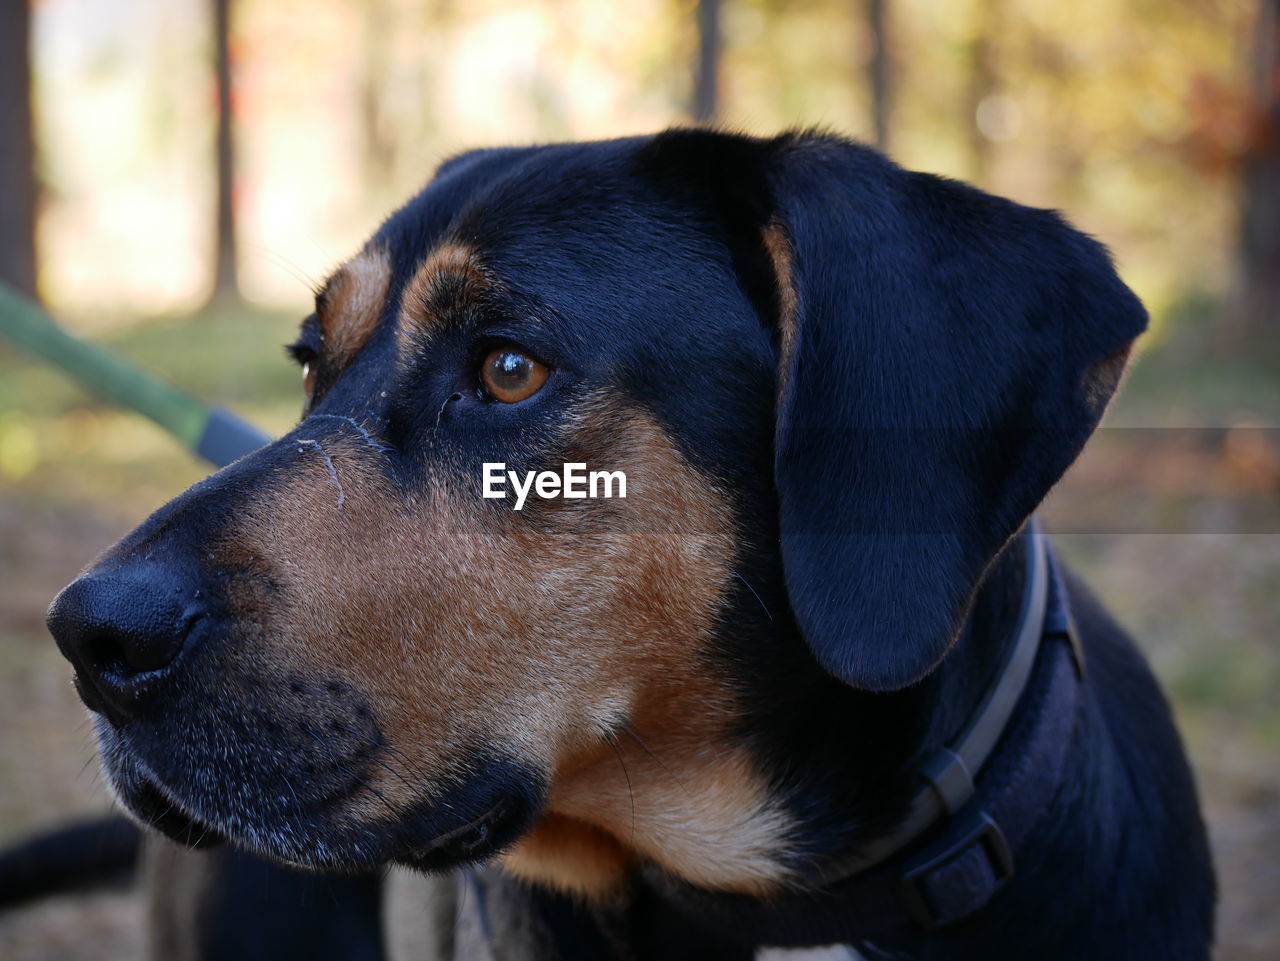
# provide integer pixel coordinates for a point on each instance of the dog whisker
(627, 775)
(351, 774)
(627, 729)
(287, 265)
(289, 784)
(763, 606)
(377, 760)
(411, 766)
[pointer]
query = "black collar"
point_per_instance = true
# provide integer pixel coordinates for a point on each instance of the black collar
(980, 797)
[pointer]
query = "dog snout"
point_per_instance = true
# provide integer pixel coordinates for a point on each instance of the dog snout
(120, 629)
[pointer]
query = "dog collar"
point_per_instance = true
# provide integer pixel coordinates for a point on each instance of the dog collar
(955, 848)
(948, 775)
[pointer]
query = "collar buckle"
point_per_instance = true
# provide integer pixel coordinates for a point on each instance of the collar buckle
(960, 881)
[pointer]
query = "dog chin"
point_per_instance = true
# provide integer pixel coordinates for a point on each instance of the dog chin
(144, 800)
(477, 819)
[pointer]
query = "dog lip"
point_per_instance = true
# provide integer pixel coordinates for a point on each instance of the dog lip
(167, 802)
(468, 842)
(153, 809)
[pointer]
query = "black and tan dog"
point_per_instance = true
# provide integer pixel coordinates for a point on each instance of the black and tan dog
(719, 713)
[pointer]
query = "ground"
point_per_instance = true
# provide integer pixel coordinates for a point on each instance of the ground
(1173, 515)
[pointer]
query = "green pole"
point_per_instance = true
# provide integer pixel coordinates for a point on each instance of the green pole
(213, 433)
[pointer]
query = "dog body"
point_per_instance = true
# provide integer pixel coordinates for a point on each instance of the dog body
(837, 391)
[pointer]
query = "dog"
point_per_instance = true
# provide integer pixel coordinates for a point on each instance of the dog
(816, 680)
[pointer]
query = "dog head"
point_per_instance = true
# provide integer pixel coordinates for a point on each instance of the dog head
(835, 389)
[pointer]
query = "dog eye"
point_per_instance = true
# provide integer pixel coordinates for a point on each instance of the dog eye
(306, 357)
(510, 376)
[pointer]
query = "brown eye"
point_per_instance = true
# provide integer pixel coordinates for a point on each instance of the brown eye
(510, 376)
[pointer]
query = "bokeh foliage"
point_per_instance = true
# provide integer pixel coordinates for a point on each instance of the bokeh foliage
(1123, 114)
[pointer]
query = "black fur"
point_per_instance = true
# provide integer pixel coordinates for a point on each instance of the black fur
(75, 857)
(949, 355)
(254, 910)
(939, 385)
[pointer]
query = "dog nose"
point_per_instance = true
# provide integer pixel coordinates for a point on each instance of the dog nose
(117, 630)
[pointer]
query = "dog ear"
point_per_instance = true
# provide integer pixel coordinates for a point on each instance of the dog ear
(944, 354)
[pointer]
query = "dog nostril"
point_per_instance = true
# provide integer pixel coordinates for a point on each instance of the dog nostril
(117, 628)
(122, 654)
(106, 655)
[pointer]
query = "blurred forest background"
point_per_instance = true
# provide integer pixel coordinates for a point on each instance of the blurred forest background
(175, 174)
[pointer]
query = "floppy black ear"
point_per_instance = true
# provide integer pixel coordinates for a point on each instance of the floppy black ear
(945, 354)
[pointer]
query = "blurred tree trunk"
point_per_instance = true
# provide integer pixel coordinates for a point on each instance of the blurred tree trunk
(705, 85)
(378, 148)
(981, 86)
(1258, 309)
(226, 281)
(17, 149)
(880, 70)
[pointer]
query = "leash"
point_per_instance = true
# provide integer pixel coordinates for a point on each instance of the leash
(216, 434)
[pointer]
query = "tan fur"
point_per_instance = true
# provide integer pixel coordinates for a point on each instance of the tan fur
(351, 305)
(698, 807)
(1103, 378)
(450, 274)
(465, 624)
(778, 247)
(571, 856)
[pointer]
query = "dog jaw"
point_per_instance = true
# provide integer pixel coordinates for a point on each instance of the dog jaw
(467, 628)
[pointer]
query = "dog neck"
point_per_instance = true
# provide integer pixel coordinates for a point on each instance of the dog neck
(852, 758)
(702, 806)
(963, 857)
